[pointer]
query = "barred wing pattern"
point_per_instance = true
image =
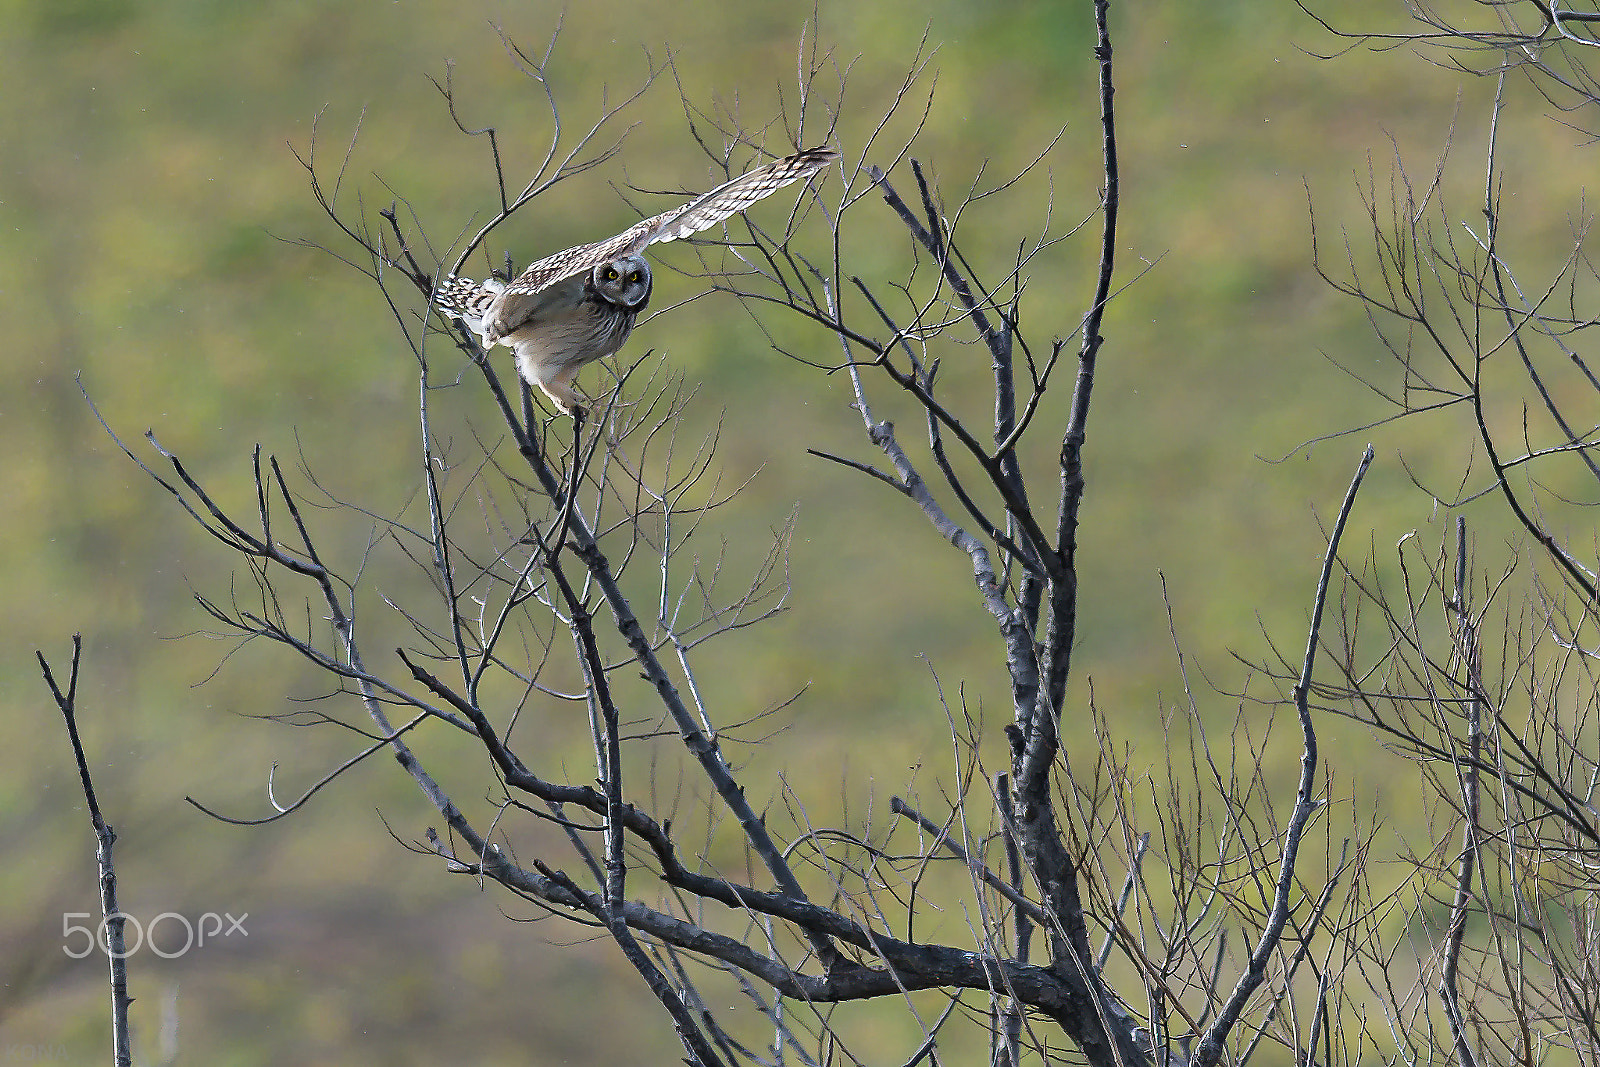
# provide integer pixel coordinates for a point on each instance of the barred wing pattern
(579, 305)
(467, 299)
(701, 213)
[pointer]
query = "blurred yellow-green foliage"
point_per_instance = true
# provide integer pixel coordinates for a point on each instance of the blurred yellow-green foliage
(151, 220)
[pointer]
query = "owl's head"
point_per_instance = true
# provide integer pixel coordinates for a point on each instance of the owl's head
(624, 281)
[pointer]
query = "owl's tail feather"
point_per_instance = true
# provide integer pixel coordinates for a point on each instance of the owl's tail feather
(467, 300)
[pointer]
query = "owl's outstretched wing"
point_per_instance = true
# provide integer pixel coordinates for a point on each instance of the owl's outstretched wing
(730, 198)
(701, 213)
(493, 310)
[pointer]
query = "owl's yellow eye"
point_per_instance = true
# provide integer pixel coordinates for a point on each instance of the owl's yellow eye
(611, 274)
(636, 277)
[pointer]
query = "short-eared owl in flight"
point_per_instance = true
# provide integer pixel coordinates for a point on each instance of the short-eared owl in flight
(578, 306)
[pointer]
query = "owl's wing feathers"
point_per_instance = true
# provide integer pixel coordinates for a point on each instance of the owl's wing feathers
(730, 198)
(480, 306)
(544, 273)
(701, 213)
(494, 311)
(557, 293)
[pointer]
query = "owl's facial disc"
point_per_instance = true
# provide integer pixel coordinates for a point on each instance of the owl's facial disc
(624, 281)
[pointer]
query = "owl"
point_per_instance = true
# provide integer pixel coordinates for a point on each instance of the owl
(579, 305)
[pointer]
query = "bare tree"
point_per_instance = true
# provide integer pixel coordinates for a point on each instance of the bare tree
(1197, 920)
(1479, 664)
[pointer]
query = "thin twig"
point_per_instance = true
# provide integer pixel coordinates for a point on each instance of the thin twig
(111, 915)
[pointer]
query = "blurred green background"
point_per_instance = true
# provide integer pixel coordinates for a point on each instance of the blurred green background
(145, 184)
